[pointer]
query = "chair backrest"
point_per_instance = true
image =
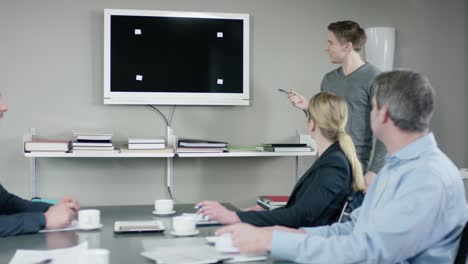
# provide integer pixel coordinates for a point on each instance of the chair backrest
(343, 212)
(353, 202)
(463, 248)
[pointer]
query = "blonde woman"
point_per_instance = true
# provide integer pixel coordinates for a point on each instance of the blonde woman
(319, 195)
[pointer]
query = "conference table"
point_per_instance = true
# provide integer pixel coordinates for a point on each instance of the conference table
(124, 248)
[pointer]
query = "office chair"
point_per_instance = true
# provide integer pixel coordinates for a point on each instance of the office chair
(344, 212)
(463, 248)
(353, 201)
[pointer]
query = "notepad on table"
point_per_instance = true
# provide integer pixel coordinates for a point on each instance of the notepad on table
(138, 226)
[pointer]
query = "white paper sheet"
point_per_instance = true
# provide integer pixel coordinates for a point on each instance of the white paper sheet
(177, 245)
(194, 254)
(73, 255)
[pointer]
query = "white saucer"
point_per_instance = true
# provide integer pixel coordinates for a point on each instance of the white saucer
(192, 233)
(89, 227)
(168, 213)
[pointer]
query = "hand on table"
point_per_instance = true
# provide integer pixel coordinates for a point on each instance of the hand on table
(62, 214)
(215, 211)
(247, 238)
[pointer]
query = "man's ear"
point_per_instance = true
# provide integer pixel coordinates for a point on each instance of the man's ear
(384, 115)
(349, 46)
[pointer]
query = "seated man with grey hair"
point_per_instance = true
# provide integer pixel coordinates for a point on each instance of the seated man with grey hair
(415, 210)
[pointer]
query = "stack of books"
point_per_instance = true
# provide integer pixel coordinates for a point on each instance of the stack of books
(87, 143)
(199, 145)
(270, 202)
(47, 146)
(140, 143)
(285, 147)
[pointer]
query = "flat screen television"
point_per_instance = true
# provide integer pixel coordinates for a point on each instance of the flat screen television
(175, 58)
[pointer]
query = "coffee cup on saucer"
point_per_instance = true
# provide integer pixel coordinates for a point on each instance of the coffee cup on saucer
(89, 219)
(184, 226)
(224, 244)
(163, 206)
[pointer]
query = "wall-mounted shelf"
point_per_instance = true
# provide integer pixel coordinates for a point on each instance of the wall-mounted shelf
(168, 155)
(246, 154)
(97, 155)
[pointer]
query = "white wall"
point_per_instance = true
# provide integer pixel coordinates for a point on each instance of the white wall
(51, 77)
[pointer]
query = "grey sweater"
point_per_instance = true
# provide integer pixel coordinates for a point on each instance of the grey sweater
(357, 89)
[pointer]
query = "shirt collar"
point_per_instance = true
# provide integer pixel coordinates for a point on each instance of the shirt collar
(414, 149)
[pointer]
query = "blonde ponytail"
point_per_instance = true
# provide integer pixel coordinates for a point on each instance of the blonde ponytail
(347, 146)
(330, 113)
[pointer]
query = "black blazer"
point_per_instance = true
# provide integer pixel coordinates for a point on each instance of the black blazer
(18, 216)
(317, 198)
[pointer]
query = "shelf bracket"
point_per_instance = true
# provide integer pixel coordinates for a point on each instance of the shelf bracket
(33, 163)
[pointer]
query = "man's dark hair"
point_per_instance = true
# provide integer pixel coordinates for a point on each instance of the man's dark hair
(349, 31)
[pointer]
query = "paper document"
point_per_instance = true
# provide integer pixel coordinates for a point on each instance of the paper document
(194, 254)
(197, 247)
(73, 255)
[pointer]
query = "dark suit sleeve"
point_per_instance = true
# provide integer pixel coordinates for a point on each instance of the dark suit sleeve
(18, 216)
(22, 223)
(317, 192)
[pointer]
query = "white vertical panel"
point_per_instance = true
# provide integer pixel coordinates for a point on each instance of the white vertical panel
(380, 47)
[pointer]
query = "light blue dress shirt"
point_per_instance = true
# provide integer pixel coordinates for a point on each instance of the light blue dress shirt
(414, 212)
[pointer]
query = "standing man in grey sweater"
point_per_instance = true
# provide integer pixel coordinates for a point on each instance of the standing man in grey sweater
(353, 81)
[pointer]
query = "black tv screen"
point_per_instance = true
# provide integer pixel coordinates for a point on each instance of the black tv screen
(159, 55)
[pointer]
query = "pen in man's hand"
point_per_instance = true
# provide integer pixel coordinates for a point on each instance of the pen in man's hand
(283, 91)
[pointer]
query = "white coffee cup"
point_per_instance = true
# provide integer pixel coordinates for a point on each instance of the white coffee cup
(89, 218)
(163, 206)
(97, 256)
(224, 244)
(184, 224)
